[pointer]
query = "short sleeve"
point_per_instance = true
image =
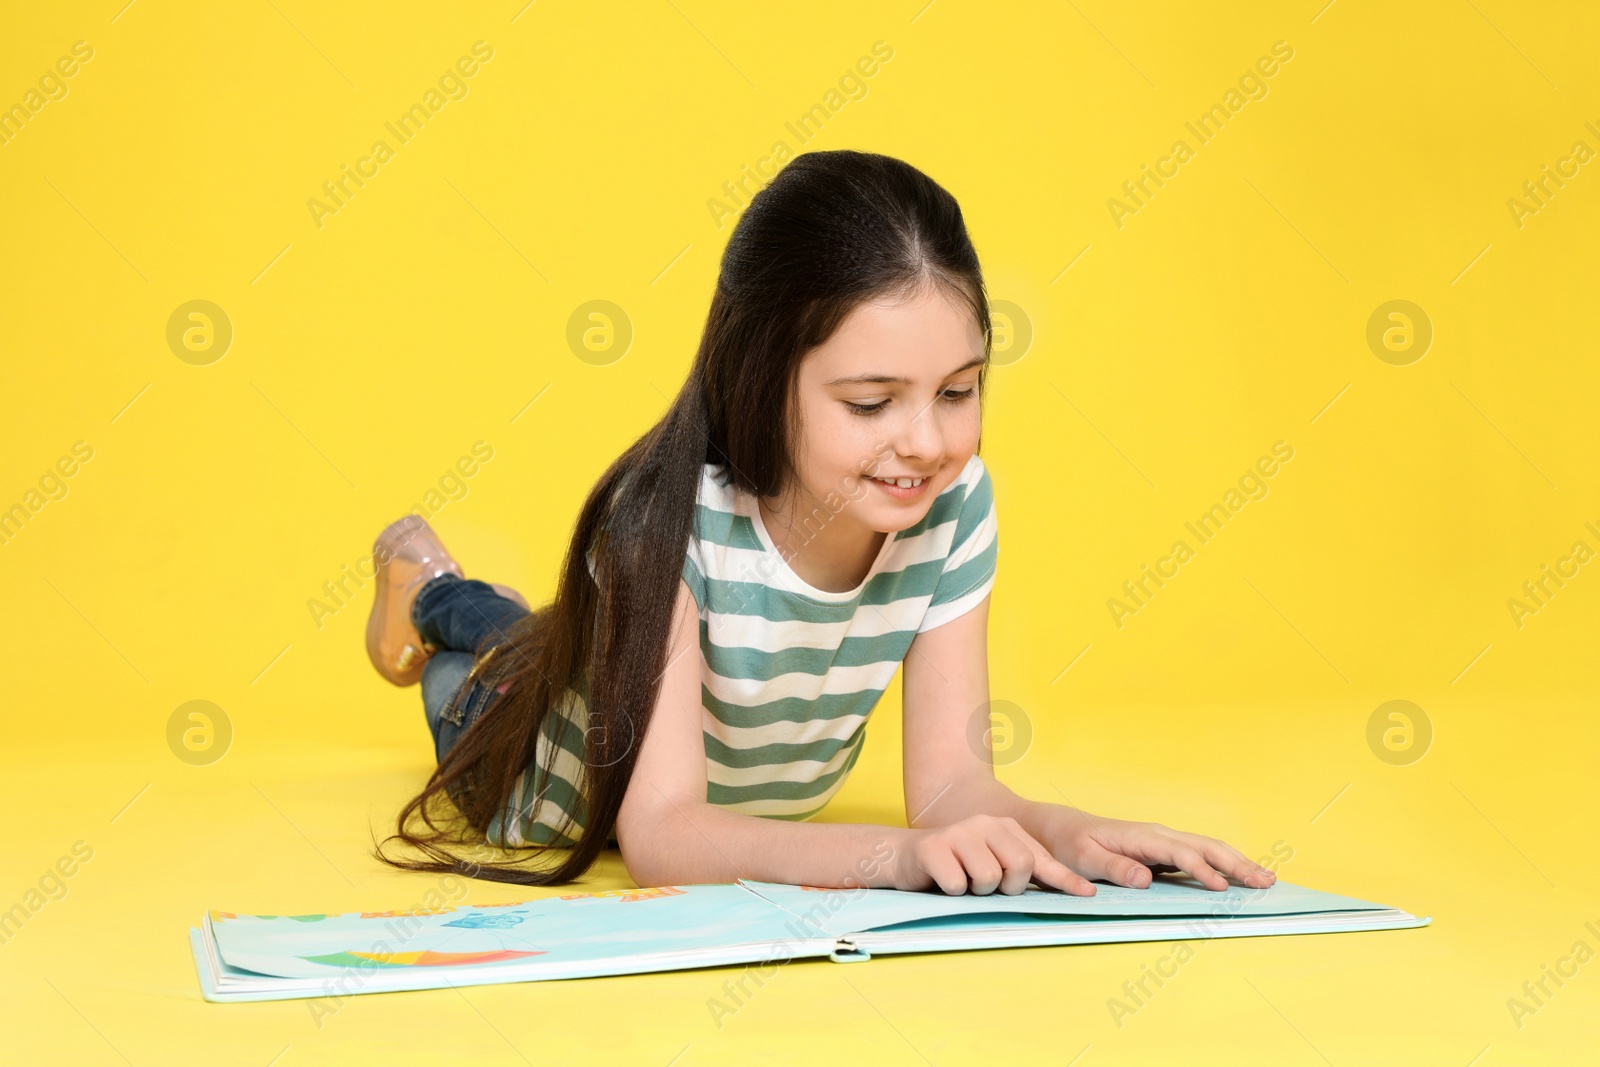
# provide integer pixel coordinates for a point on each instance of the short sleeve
(694, 579)
(697, 563)
(969, 570)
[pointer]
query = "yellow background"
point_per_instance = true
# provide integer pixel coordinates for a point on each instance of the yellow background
(372, 352)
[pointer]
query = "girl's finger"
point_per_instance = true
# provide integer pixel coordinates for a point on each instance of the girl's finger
(1049, 871)
(1188, 858)
(1010, 845)
(1233, 863)
(1224, 859)
(946, 872)
(982, 867)
(1026, 859)
(1097, 861)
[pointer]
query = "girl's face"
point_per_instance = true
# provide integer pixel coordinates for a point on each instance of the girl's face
(891, 395)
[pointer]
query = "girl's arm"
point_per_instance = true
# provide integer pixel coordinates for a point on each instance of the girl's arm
(670, 835)
(949, 775)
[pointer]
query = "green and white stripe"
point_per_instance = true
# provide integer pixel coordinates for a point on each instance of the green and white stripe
(790, 674)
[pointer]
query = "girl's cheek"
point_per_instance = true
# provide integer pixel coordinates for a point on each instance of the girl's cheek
(959, 431)
(854, 442)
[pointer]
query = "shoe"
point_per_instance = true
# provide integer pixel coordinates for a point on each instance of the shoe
(408, 555)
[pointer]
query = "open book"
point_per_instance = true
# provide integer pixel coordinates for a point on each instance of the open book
(631, 931)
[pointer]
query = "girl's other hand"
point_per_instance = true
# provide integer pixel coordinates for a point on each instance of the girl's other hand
(980, 854)
(1130, 853)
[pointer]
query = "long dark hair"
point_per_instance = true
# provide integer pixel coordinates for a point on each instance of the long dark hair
(831, 231)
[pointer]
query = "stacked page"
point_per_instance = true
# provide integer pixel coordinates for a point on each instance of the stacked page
(631, 931)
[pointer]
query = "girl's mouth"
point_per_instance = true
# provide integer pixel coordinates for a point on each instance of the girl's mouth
(901, 488)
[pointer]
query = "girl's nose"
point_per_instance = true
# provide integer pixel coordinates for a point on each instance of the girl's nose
(921, 435)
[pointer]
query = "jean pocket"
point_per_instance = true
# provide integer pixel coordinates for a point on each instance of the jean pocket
(479, 698)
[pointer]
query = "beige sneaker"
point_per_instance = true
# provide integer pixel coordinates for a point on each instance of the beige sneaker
(408, 554)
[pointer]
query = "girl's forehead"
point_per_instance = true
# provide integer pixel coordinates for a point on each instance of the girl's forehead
(931, 335)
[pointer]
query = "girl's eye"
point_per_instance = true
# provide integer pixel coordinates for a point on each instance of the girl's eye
(952, 396)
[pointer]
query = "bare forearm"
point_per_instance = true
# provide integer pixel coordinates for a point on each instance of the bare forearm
(689, 843)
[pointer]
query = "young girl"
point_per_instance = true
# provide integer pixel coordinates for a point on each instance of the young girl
(741, 587)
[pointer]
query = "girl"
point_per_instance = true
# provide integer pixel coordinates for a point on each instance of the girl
(744, 582)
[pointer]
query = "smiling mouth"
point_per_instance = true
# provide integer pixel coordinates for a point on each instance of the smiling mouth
(903, 483)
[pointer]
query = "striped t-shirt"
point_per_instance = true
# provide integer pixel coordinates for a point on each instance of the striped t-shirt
(789, 673)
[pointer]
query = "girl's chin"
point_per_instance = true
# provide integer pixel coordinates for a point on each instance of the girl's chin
(891, 518)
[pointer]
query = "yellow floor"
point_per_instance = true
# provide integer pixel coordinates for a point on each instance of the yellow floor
(197, 501)
(103, 974)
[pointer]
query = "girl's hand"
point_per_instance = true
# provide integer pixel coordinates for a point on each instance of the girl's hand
(977, 855)
(1130, 853)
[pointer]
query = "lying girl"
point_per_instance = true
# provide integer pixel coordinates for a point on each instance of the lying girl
(741, 587)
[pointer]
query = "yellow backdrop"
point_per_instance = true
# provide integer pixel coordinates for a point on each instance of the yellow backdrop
(276, 272)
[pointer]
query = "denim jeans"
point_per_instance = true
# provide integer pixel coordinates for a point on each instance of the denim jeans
(462, 619)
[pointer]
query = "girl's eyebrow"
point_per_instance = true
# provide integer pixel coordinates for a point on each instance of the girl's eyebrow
(863, 379)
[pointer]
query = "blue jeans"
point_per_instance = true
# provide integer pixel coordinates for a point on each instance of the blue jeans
(462, 619)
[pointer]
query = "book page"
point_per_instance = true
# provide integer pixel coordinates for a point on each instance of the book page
(580, 927)
(839, 912)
